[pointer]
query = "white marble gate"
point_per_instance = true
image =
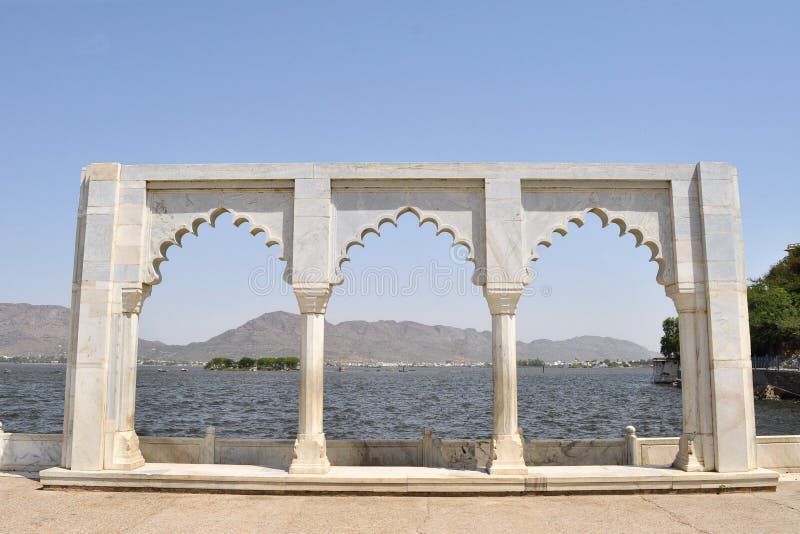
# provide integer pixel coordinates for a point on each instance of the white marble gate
(687, 215)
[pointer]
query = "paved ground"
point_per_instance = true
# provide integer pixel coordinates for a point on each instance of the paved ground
(25, 507)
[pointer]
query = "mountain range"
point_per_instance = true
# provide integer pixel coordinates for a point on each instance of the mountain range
(37, 330)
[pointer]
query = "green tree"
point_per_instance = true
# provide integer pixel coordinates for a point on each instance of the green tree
(536, 362)
(246, 363)
(773, 303)
(786, 273)
(774, 321)
(216, 364)
(265, 364)
(278, 364)
(774, 309)
(671, 341)
(290, 362)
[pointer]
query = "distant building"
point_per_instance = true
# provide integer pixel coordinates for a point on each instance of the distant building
(665, 370)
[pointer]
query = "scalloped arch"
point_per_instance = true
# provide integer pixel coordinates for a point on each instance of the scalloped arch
(211, 217)
(606, 218)
(392, 217)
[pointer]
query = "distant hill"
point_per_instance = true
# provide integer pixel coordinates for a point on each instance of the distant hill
(33, 330)
(27, 330)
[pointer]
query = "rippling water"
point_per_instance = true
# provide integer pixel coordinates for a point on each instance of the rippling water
(369, 404)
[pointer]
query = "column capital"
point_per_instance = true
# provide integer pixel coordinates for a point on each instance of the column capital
(502, 298)
(685, 302)
(688, 298)
(312, 297)
(133, 298)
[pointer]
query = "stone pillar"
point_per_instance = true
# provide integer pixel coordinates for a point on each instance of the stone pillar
(731, 374)
(633, 453)
(310, 455)
(92, 317)
(704, 439)
(122, 447)
(106, 298)
(208, 449)
(688, 458)
(507, 448)
(427, 447)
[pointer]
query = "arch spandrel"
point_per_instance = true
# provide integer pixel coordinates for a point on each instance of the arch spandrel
(645, 213)
(172, 214)
(458, 213)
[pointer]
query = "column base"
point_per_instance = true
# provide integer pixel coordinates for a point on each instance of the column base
(126, 455)
(686, 459)
(507, 455)
(310, 455)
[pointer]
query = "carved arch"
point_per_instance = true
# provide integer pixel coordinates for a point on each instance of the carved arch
(391, 217)
(606, 218)
(159, 254)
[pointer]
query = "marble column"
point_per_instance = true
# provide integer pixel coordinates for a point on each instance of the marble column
(704, 439)
(689, 456)
(728, 330)
(310, 455)
(123, 443)
(94, 309)
(507, 447)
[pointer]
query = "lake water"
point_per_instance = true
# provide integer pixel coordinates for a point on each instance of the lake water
(365, 403)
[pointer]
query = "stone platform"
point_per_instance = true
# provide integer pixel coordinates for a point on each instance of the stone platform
(409, 480)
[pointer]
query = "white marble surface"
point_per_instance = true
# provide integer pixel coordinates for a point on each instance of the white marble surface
(31, 452)
(688, 215)
(409, 479)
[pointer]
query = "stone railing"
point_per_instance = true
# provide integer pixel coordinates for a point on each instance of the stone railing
(33, 452)
(29, 452)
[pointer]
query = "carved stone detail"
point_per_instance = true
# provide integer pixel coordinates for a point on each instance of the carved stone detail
(127, 454)
(310, 455)
(133, 298)
(459, 236)
(313, 297)
(502, 299)
(643, 214)
(685, 302)
(507, 455)
(173, 215)
(687, 459)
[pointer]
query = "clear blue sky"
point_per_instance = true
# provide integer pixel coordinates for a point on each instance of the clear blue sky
(174, 82)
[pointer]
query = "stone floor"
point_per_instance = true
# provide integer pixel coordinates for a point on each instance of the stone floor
(24, 507)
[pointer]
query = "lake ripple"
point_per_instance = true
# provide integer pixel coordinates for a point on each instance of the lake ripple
(368, 404)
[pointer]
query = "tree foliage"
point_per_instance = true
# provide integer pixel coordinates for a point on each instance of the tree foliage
(216, 364)
(786, 273)
(278, 364)
(774, 321)
(671, 340)
(773, 303)
(774, 309)
(536, 362)
(246, 363)
(262, 364)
